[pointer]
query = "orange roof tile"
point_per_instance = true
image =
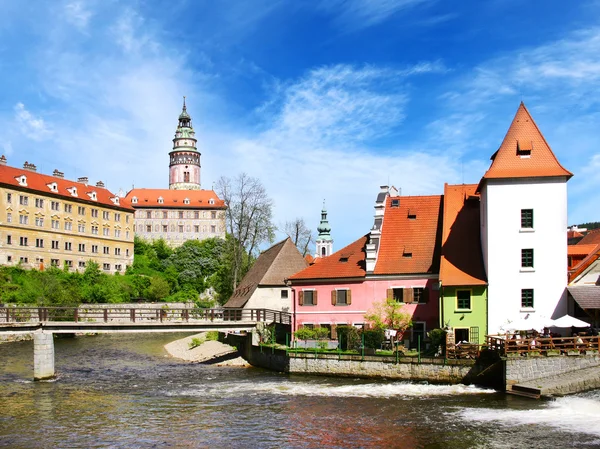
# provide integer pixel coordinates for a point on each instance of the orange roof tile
(524, 152)
(584, 264)
(198, 199)
(580, 250)
(349, 262)
(592, 237)
(410, 245)
(39, 182)
(462, 260)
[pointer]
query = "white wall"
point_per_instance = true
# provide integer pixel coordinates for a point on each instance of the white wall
(270, 298)
(503, 239)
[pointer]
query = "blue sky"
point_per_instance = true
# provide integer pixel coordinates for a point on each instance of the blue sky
(320, 99)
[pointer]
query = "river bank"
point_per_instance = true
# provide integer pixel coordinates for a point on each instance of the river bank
(219, 353)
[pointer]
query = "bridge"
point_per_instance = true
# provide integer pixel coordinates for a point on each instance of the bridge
(43, 322)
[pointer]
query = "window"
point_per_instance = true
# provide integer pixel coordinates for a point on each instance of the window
(117, 217)
(213, 214)
(68, 208)
(196, 228)
(196, 215)
(95, 213)
(180, 214)
(81, 210)
(398, 294)
(284, 294)
(39, 202)
(23, 259)
(106, 267)
(461, 334)
(118, 233)
(105, 215)
(148, 228)
(81, 227)
(23, 241)
(54, 244)
(118, 267)
(23, 200)
(340, 297)
(54, 262)
(180, 228)
(395, 203)
(39, 243)
(81, 264)
(165, 214)
(165, 228)
(95, 249)
(68, 226)
(126, 218)
(419, 295)
(9, 197)
(127, 234)
(23, 219)
(186, 176)
(55, 224)
(105, 232)
(527, 298)
(69, 263)
(9, 240)
(9, 217)
(418, 332)
(213, 228)
(68, 246)
(95, 230)
(127, 252)
(527, 218)
(463, 299)
(106, 250)
(54, 205)
(82, 247)
(148, 214)
(117, 251)
(9, 258)
(186, 201)
(308, 298)
(527, 258)
(39, 221)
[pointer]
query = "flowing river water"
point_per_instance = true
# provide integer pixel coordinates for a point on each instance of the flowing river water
(123, 391)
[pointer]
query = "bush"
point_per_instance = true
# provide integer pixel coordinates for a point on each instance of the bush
(212, 336)
(349, 337)
(438, 342)
(321, 333)
(195, 342)
(373, 338)
(304, 333)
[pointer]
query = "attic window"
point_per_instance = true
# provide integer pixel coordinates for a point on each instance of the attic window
(186, 201)
(344, 257)
(412, 215)
(160, 200)
(72, 191)
(395, 203)
(53, 187)
(134, 200)
(92, 195)
(524, 148)
(211, 201)
(22, 180)
(115, 200)
(407, 254)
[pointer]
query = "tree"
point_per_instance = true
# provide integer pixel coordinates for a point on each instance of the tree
(388, 314)
(300, 234)
(248, 220)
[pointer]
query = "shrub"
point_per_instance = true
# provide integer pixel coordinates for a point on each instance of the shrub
(321, 333)
(195, 342)
(212, 336)
(349, 337)
(438, 342)
(304, 333)
(373, 338)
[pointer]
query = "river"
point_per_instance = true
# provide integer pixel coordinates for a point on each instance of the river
(123, 391)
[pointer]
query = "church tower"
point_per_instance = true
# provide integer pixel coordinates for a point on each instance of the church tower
(324, 241)
(184, 166)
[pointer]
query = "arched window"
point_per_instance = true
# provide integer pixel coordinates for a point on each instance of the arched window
(186, 176)
(323, 252)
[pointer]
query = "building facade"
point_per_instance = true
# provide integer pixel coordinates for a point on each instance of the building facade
(51, 221)
(523, 218)
(183, 211)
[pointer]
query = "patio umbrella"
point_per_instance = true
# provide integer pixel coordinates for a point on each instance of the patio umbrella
(528, 322)
(569, 321)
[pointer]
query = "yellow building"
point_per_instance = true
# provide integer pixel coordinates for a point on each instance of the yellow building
(48, 220)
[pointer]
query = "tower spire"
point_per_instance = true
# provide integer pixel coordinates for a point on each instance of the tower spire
(184, 166)
(324, 242)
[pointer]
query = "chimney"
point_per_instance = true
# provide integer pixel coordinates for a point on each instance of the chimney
(3, 160)
(58, 174)
(83, 180)
(29, 167)
(100, 184)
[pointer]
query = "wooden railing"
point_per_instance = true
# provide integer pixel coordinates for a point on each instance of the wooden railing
(10, 315)
(507, 344)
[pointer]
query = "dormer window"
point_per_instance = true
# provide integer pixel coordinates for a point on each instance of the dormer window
(412, 215)
(22, 180)
(160, 200)
(211, 201)
(524, 148)
(395, 203)
(186, 201)
(407, 254)
(134, 200)
(53, 187)
(115, 200)
(92, 196)
(72, 191)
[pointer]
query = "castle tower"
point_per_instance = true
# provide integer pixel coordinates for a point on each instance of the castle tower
(523, 221)
(184, 166)
(324, 241)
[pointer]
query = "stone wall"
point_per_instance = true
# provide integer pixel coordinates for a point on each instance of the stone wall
(519, 370)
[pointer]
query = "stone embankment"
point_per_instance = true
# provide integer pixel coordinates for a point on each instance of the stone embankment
(208, 351)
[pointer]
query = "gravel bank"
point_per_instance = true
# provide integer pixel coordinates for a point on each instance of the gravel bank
(207, 351)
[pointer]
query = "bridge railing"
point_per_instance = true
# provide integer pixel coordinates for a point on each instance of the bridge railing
(91, 314)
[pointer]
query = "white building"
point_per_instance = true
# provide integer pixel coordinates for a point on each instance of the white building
(523, 218)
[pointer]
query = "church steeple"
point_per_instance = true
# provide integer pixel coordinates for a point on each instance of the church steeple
(324, 242)
(184, 166)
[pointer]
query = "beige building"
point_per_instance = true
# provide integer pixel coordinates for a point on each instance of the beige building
(48, 220)
(183, 211)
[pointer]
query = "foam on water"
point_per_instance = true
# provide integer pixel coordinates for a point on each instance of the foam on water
(578, 414)
(369, 390)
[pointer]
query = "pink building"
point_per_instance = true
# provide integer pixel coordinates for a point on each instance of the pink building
(398, 259)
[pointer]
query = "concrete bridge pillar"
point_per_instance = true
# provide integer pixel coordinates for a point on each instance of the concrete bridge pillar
(43, 355)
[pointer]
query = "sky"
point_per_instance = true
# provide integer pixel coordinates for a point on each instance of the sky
(322, 100)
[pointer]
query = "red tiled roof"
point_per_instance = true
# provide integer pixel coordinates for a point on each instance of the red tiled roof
(574, 234)
(462, 260)
(580, 250)
(39, 182)
(584, 264)
(512, 159)
(420, 236)
(199, 199)
(349, 262)
(591, 238)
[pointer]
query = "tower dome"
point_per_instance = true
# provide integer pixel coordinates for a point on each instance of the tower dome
(324, 242)
(184, 165)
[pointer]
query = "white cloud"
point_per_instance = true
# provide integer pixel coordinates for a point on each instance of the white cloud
(77, 14)
(31, 126)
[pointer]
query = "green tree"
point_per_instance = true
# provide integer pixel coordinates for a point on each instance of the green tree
(158, 289)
